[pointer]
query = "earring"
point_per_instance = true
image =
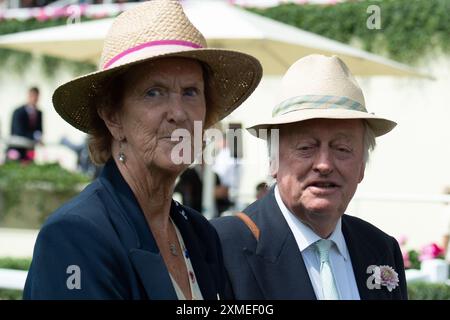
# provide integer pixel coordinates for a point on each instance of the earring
(122, 157)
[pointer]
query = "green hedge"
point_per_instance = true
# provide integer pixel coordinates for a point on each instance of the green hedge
(17, 264)
(6, 294)
(428, 291)
(29, 193)
(15, 25)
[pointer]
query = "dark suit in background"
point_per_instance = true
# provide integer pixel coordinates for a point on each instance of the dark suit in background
(27, 126)
(190, 186)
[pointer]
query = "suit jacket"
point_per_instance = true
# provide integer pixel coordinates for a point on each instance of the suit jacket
(104, 233)
(273, 267)
(21, 125)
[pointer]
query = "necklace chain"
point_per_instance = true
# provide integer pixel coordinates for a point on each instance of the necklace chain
(172, 246)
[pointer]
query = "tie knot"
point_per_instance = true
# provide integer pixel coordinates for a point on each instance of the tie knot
(323, 247)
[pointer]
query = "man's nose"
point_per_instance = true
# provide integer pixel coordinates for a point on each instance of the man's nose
(323, 163)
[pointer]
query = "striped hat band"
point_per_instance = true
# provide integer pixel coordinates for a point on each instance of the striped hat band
(316, 102)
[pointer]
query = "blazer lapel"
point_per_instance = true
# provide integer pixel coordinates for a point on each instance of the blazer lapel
(153, 274)
(277, 263)
(197, 253)
(135, 235)
(362, 255)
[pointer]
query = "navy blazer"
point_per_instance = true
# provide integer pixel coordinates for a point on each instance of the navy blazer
(20, 125)
(273, 267)
(104, 233)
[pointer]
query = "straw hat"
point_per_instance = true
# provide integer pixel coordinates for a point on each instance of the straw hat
(317, 86)
(151, 30)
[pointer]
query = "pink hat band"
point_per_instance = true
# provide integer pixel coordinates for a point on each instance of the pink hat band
(148, 49)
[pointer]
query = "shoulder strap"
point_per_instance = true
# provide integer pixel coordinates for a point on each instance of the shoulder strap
(250, 224)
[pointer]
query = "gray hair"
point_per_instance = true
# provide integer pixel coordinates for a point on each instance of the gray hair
(369, 144)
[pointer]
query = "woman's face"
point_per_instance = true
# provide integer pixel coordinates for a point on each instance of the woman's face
(159, 97)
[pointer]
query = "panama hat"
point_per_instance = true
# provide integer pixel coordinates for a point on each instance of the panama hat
(318, 86)
(149, 31)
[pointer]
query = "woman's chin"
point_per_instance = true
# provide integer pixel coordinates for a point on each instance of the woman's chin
(168, 165)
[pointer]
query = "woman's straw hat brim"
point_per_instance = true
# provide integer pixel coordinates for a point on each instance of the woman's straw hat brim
(154, 30)
(233, 77)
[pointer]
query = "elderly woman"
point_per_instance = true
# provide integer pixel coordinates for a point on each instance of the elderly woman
(124, 237)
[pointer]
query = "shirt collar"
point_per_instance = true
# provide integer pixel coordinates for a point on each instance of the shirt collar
(304, 235)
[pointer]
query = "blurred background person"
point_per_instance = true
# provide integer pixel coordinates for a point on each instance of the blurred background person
(228, 167)
(261, 190)
(26, 129)
(84, 162)
(190, 187)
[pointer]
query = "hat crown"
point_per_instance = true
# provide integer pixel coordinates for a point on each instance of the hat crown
(155, 20)
(318, 75)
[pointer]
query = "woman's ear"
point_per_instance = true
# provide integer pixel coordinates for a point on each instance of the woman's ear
(113, 123)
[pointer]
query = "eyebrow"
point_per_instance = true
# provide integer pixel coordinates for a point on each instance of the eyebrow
(339, 136)
(344, 136)
(162, 83)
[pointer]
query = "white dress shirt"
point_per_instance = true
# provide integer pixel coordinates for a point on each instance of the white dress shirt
(340, 262)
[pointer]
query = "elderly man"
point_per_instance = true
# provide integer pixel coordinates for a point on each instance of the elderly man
(296, 242)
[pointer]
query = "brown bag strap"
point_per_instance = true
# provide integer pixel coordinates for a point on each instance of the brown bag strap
(250, 224)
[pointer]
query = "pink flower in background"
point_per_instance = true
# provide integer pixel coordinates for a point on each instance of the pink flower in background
(59, 12)
(402, 240)
(406, 260)
(431, 251)
(405, 254)
(100, 15)
(13, 154)
(42, 15)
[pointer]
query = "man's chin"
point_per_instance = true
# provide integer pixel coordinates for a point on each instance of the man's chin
(322, 208)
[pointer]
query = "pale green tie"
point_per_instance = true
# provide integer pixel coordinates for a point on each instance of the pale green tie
(326, 275)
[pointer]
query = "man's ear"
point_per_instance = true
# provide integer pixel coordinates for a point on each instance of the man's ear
(361, 173)
(113, 123)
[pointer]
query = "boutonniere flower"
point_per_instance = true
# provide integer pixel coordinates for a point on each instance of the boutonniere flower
(382, 276)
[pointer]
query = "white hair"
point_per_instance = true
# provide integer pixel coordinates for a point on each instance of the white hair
(369, 141)
(369, 144)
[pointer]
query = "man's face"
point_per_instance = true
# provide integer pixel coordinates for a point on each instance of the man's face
(33, 98)
(320, 165)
